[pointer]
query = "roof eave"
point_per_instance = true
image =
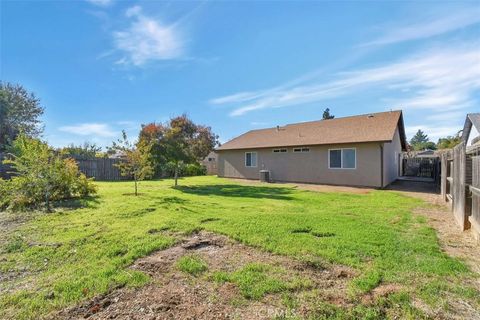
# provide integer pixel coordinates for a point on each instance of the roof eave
(303, 145)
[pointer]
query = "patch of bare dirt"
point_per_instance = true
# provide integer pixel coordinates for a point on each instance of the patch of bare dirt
(382, 290)
(10, 222)
(176, 295)
(17, 278)
(311, 187)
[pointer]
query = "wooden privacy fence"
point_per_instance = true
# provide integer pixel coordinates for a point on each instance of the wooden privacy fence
(460, 185)
(100, 168)
(97, 168)
(475, 191)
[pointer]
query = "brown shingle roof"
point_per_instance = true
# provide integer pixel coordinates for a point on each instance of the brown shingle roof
(356, 129)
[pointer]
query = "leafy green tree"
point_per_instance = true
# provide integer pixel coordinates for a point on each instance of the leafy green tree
(87, 150)
(177, 151)
(175, 145)
(19, 112)
(419, 137)
(135, 163)
(187, 143)
(41, 175)
(327, 115)
(150, 141)
(449, 142)
(420, 141)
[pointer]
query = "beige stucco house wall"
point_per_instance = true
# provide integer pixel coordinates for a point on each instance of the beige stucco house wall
(312, 167)
(377, 138)
(210, 163)
(391, 158)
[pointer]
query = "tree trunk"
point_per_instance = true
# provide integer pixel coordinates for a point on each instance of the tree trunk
(135, 178)
(176, 174)
(47, 202)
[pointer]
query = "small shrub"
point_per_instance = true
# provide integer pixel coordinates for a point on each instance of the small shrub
(185, 170)
(194, 169)
(4, 193)
(42, 176)
(191, 264)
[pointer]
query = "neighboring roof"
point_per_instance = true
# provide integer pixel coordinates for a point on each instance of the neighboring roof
(472, 120)
(374, 127)
(425, 154)
(117, 155)
(211, 155)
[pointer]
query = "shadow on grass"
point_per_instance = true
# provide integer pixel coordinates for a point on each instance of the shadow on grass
(169, 201)
(173, 200)
(234, 190)
(77, 203)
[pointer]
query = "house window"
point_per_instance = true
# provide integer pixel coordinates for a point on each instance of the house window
(342, 158)
(250, 159)
(283, 150)
(303, 149)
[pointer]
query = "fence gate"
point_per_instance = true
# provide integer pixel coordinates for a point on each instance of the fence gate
(420, 167)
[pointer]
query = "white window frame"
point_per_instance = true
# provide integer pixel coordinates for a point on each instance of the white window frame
(256, 159)
(341, 159)
(279, 150)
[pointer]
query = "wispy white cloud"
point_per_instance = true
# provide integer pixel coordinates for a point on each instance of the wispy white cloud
(101, 3)
(441, 79)
(429, 26)
(147, 39)
(453, 116)
(258, 123)
(90, 129)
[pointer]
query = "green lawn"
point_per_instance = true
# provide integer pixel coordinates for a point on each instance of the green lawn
(82, 251)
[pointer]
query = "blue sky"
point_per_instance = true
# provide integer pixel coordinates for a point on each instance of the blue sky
(101, 66)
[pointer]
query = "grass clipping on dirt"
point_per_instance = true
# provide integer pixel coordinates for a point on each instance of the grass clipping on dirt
(59, 259)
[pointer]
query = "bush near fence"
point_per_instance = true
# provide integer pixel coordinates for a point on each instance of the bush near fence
(5, 170)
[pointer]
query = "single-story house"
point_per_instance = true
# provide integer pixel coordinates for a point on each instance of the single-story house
(361, 150)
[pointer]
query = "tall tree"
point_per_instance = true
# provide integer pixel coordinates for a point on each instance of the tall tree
(419, 137)
(420, 141)
(150, 142)
(19, 112)
(88, 150)
(176, 143)
(449, 141)
(327, 115)
(186, 142)
(135, 163)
